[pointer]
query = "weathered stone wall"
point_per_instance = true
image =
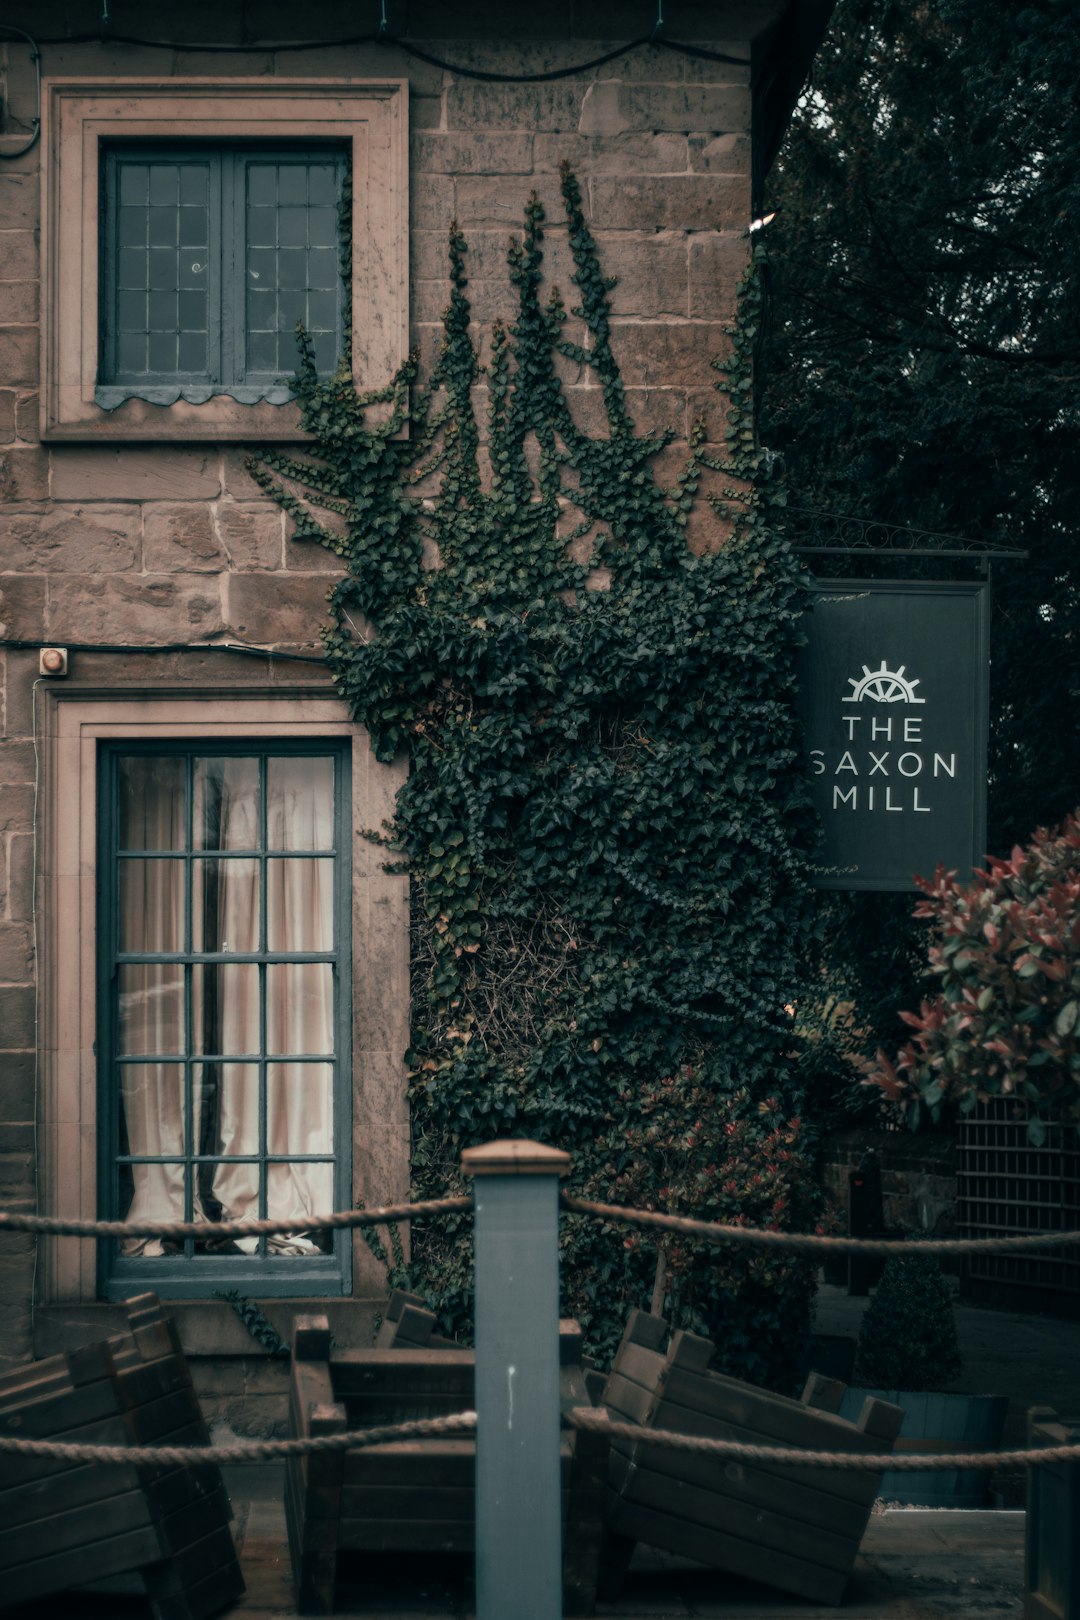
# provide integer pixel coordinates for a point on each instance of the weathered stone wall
(154, 544)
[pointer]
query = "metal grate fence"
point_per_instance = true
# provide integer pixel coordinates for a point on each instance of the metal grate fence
(1008, 1185)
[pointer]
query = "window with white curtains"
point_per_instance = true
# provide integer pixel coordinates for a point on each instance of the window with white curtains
(224, 1013)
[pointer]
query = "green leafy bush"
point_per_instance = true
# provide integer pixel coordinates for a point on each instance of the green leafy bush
(1006, 947)
(678, 1148)
(908, 1336)
(605, 822)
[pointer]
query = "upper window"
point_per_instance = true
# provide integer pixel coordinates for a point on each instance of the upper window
(190, 224)
(210, 260)
(224, 1010)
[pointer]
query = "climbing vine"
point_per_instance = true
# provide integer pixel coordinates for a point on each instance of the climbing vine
(604, 823)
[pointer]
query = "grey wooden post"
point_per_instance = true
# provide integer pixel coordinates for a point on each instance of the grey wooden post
(518, 1516)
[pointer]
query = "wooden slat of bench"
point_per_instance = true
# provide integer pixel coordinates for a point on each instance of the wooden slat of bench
(53, 1414)
(444, 1462)
(78, 1527)
(853, 1487)
(375, 1411)
(72, 1370)
(730, 1513)
(69, 1486)
(779, 1569)
(417, 1501)
(789, 1422)
(55, 1572)
(807, 1503)
(416, 1535)
(419, 1371)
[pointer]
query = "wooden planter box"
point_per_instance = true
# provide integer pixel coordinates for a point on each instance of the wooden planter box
(795, 1528)
(937, 1421)
(1052, 1529)
(413, 1495)
(65, 1524)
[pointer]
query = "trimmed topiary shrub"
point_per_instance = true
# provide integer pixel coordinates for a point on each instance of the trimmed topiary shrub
(908, 1336)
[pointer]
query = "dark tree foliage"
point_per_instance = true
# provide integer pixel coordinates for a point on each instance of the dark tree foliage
(922, 363)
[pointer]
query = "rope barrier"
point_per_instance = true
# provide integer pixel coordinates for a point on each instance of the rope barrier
(596, 1420)
(807, 1242)
(340, 1220)
(244, 1452)
(581, 1418)
(804, 1242)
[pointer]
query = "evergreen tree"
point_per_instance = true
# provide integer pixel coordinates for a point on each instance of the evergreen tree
(923, 360)
(922, 368)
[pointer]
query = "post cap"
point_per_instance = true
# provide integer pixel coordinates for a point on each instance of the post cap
(517, 1158)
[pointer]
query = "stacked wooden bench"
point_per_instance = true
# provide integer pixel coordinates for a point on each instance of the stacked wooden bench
(413, 1495)
(66, 1524)
(794, 1528)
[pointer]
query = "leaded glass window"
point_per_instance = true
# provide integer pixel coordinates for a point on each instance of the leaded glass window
(224, 1017)
(211, 258)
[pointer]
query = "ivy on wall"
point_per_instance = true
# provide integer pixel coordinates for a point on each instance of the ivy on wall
(604, 822)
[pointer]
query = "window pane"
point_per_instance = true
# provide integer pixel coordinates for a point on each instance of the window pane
(161, 353)
(299, 1107)
(292, 183)
(131, 227)
(300, 802)
(192, 352)
(229, 1108)
(134, 184)
(132, 269)
(324, 183)
(194, 227)
(161, 310)
(131, 311)
(164, 183)
(164, 227)
(325, 268)
(163, 269)
(225, 906)
(226, 803)
(194, 270)
(152, 1111)
(225, 1008)
(150, 1007)
(300, 1007)
(299, 1191)
(299, 905)
(194, 184)
(152, 795)
(151, 906)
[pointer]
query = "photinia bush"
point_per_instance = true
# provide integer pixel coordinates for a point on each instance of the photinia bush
(1006, 947)
(678, 1148)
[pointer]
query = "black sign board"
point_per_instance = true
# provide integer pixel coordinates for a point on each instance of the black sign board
(894, 682)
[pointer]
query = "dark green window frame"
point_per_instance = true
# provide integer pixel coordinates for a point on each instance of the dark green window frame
(189, 1274)
(210, 254)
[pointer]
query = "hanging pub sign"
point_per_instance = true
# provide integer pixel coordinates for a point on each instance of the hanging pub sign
(894, 681)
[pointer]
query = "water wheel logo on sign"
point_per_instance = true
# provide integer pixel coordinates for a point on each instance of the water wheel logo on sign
(884, 685)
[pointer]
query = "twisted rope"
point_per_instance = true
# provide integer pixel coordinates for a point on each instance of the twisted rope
(341, 1219)
(244, 1452)
(804, 1242)
(598, 1422)
(807, 1242)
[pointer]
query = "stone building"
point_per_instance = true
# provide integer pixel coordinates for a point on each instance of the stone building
(203, 972)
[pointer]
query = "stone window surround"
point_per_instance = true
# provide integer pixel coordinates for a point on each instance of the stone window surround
(78, 114)
(72, 721)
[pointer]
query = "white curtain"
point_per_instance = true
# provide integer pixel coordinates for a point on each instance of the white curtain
(225, 1001)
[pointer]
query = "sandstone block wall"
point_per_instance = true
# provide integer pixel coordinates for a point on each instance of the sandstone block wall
(155, 543)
